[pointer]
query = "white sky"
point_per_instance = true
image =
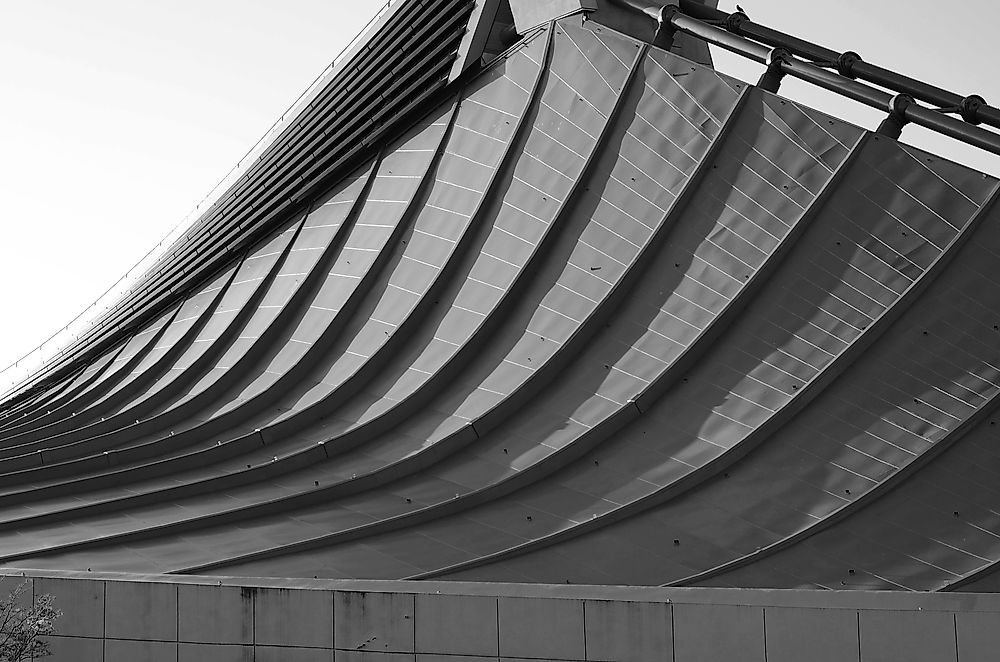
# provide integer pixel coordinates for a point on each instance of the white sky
(118, 116)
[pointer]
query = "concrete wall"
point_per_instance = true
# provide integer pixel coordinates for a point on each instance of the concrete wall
(130, 618)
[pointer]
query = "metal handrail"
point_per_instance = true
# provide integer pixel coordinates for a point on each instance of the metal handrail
(972, 108)
(900, 108)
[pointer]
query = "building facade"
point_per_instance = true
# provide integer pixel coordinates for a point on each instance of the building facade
(531, 295)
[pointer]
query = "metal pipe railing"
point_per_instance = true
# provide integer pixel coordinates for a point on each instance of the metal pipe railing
(780, 61)
(972, 108)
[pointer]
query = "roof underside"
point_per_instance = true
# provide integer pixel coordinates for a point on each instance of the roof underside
(606, 316)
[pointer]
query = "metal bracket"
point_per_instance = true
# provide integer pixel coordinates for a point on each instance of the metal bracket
(969, 108)
(846, 62)
(770, 81)
(734, 22)
(664, 24)
(892, 126)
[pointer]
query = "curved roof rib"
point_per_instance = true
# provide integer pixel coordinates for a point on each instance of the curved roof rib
(600, 315)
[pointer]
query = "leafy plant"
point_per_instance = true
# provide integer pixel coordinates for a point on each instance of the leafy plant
(21, 627)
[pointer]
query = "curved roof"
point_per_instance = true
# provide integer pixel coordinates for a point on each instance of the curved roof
(604, 316)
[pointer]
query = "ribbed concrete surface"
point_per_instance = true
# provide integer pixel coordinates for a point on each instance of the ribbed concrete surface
(605, 316)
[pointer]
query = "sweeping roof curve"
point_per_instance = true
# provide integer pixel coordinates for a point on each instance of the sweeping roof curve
(603, 316)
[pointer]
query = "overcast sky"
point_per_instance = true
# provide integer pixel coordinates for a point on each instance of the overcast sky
(118, 116)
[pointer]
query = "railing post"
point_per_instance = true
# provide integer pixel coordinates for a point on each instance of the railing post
(892, 126)
(770, 80)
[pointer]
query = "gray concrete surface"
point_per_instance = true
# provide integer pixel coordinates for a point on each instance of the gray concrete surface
(118, 617)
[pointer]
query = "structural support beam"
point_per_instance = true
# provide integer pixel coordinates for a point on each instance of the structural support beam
(972, 108)
(901, 108)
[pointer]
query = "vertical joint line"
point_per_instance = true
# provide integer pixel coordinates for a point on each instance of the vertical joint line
(859, 634)
(954, 619)
(763, 630)
(499, 634)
